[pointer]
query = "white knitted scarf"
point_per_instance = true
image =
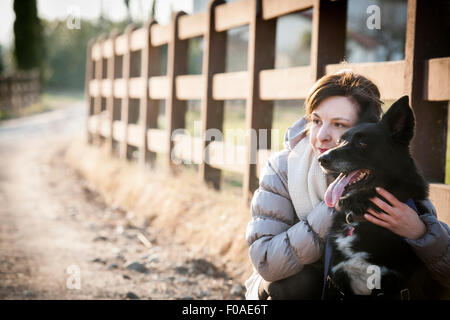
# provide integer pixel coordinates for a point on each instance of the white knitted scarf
(306, 181)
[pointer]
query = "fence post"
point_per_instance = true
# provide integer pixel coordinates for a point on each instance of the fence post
(126, 100)
(176, 65)
(211, 110)
(259, 113)
(144, 114)
(88, 77)
(426, 38)
(98, 97)
(111, 70)
(328, 35)
(152, 109)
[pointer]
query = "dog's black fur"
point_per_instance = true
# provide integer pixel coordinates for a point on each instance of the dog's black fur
(382, 148)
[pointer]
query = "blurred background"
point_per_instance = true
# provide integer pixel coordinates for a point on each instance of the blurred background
(59, 52)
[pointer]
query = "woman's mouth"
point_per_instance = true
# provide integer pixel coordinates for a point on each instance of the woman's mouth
(321, 150)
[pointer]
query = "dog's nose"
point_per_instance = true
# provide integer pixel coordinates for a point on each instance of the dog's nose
(324, 160)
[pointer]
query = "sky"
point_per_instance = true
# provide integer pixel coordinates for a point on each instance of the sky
(90, 9)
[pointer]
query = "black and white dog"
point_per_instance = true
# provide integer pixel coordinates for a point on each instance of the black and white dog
(374, 155)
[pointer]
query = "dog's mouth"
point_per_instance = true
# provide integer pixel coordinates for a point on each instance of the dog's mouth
(344, 183)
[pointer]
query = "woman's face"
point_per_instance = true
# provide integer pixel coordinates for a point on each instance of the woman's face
(329, 120)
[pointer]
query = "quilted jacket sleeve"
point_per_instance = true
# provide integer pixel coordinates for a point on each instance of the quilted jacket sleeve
(434, 247)
(280, 244)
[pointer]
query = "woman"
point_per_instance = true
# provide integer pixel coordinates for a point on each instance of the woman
(289, 217)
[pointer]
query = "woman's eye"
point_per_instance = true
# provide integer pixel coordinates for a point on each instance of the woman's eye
(315, 121)
(339, 125)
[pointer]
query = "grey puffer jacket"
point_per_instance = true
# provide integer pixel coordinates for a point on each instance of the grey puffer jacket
(281, 243)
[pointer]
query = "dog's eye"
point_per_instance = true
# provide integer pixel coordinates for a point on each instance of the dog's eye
(361, 143)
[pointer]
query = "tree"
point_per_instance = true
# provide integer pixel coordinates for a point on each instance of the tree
(66, 61)
(28, 44)
(127, 4)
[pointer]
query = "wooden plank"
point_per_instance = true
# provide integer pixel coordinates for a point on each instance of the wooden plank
(158, 87)
(192, 26)
(258, 113)
(187, 148)
(121, 45)
(282, 84)
(230, 85)
(437, 79)
(93, 124)
(227, 156)
(107, 49)
(388, 76)
(94, 88)
(145, 115)
(125, 112)
(138, 39)
(211, 109)
(176, 65)
(137, 88)
(429, 146)
(160, 34)
(87, 84)
(98, 76)
(189, 87)
(134, 135)
(120, 88)
(111, 70)
(232, 15)
(151, 66)
(275, 8)
(105, 127)
(156, 140)
(106, 88)
(119, 130)
(97, 51)
(329, 27)
(440, 197)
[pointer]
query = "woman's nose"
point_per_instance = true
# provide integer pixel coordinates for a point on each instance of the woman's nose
(324, 134)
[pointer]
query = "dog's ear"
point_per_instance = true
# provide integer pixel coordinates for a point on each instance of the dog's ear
(400, 121)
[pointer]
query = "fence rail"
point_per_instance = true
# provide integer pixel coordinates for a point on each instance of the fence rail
(126, 68)
(19, 90)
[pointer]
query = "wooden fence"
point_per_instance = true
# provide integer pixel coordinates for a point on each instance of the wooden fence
(124, 82)
(19, 90)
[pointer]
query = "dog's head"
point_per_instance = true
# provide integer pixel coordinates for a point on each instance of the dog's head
(373, 155)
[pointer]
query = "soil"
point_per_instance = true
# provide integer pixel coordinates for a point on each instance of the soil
(60, 240)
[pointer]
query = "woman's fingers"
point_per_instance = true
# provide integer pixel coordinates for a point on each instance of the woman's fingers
(388, 196)
(382, 205)
(380, 215)
(376, 221)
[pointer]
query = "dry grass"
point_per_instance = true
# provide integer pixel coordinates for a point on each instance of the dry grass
(211, 223)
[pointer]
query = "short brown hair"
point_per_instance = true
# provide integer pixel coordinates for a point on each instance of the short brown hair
(348, 84)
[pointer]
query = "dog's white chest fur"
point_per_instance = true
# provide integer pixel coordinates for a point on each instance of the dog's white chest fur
(355, 266)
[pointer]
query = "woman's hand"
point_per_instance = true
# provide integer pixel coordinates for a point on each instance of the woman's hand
(398, 217)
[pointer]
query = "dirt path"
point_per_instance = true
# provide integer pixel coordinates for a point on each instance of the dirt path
(58, 240)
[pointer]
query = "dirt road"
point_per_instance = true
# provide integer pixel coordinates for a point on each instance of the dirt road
(58, 240)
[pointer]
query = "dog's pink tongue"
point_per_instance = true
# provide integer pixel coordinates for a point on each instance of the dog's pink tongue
(336, 188)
